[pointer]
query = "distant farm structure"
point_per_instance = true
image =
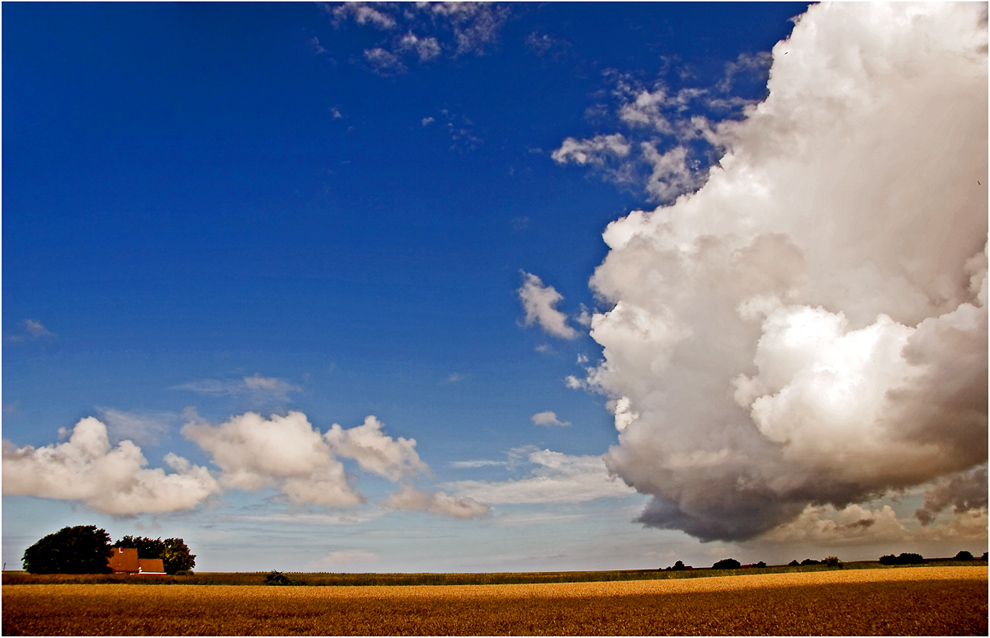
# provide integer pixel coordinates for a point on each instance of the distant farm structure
(124, 560)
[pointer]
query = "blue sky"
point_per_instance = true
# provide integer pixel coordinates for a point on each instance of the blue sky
(331, 279)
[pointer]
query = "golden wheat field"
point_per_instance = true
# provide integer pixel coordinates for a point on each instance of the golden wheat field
(923, 601)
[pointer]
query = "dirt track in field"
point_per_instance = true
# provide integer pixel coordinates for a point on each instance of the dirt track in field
(921, 601)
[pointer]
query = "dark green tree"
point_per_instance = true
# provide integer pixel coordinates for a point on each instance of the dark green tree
(963, 555)
(71, 550)
(177, 557)
(173, 552)
(727, 563)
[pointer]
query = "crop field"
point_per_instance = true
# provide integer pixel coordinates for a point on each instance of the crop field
(920, 601)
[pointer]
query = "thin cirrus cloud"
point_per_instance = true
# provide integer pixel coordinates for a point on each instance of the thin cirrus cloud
(540, 304)
(411, 499)
(142, 429)
(29, 330)
(256, 386)
(553, 477)
(810, 327)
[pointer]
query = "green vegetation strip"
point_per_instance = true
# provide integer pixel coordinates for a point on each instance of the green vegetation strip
(503, 578)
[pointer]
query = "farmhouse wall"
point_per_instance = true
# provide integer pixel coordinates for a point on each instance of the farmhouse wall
(124, 560)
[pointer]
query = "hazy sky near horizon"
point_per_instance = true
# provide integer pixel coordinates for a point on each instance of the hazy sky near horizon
(482, 287)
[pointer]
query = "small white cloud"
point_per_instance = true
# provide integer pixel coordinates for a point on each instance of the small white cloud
(425, 48)
(549, 419)
(426, 121)
(439, 503)
(384, 62)
(592, 151)
(574, 383)
(540, 303)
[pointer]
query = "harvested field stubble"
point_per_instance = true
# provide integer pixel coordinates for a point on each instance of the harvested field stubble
(935, 601)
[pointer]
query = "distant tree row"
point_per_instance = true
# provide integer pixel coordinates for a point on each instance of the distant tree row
(84, 549)
(828, 561)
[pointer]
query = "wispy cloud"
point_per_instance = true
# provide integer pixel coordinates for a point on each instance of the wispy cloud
(440, 503)
(475, 463)
(29, 330)
(553, 478)
(422, 32)
(142, 429)
(256, 386)
(345, 557)
(668, 138)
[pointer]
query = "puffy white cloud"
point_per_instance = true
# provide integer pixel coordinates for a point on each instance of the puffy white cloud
(440, 503)
(549, 418)
(810, 327)
(375, 451)
(540, 303)
(112, 480)
(554, 478)
(285, 452)
(291, 455)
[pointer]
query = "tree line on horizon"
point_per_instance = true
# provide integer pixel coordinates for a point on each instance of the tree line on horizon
(84, 549)
(828, 561)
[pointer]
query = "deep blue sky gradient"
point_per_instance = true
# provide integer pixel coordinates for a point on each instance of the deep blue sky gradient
(194, 191)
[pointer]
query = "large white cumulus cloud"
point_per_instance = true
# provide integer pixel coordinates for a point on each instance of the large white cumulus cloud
(810, 327)
(112, 480)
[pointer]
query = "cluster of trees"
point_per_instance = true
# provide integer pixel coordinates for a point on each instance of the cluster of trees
(903, 559)
(84, 549)
(828, 561)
